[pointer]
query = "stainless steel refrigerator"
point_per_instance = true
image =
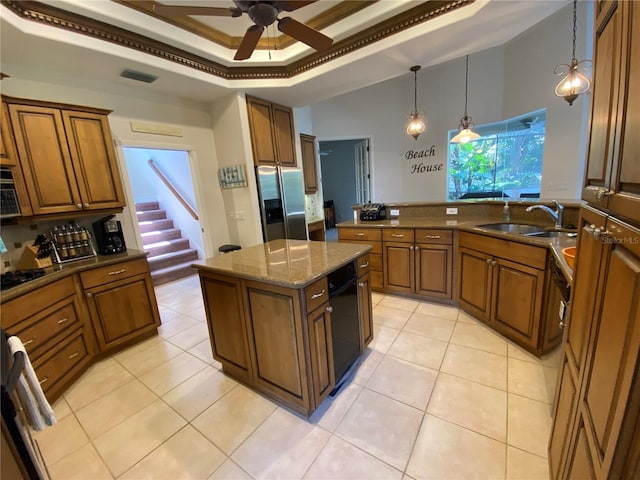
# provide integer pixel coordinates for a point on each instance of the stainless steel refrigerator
(281, 197)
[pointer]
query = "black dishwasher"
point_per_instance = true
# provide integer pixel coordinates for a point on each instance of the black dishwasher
(345, 324)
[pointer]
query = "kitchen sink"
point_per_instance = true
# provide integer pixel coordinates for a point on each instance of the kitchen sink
(552, 233)
(520, 228)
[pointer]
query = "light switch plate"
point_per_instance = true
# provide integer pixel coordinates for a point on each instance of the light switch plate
(394, 213)
(452, 211)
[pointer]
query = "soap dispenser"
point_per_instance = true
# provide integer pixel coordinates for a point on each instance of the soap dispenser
(506, 212)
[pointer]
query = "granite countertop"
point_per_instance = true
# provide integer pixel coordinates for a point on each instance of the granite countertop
(289, 263)
(59, 271)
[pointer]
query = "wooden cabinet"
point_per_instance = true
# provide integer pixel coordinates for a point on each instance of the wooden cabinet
(67, 157)
(418, 261)
(316, 231)
(612, 179)
(223, 304)
(52, 325)
(367, 236)
(8, 156)
(502, 283)
(122, 302)
(272, 133)
(602, 348)
(321, 352)
(309, 163)
(365, 309)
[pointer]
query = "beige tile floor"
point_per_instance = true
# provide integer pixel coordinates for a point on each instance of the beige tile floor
(437, 396)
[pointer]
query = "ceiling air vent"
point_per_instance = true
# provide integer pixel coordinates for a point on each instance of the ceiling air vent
(138, 76)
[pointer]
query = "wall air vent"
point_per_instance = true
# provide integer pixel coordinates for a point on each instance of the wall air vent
(138, 76)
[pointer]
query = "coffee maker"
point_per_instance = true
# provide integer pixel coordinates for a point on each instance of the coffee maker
(109, 236)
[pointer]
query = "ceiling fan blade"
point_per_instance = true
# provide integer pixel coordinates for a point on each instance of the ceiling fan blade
(187, 10)
(304, 33)
(290, 6)
(249, 42)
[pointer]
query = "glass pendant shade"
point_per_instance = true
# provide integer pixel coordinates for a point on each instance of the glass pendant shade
(574, 83)
(416, 120)
(416, 124)
(465, 133)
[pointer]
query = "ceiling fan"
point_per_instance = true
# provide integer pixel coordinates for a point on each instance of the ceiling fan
(263, 14)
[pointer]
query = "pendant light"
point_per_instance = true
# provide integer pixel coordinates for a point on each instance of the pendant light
(416, 123)
(465, 134)
(574, 83)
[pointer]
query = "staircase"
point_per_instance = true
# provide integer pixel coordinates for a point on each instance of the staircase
(170, 256)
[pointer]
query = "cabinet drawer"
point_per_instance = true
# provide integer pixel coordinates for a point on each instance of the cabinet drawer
(444, 237)
(364, 264)
(313, 226)
(397, 235)
(56, 319)
(316, 294)
(535, 257)
(69, 355)
(376, 247)
(371, 234)
(111, 273)
(29, 304)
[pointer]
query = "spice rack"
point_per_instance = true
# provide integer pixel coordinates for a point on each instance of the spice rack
(71, 242)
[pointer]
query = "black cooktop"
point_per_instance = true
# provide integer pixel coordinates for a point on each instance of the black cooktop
(12, 279)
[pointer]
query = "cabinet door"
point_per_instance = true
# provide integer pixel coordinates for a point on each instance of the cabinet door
(580, 462)
(433, 270)
(626, 200)
(45, 159)
(365, 311)
(584, 295)
(308, 144)
(321, 351)
(8, 155)
(94, 160)
(474, 282)
(398, 267)
(123, 310)
(563, 420)
(517, 296)
(260, 126)
(277, 346)
(610, 402)
(284, 135)
(223, 304)
(604, 98)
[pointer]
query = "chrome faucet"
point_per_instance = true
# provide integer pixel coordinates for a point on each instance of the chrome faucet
(556, 215)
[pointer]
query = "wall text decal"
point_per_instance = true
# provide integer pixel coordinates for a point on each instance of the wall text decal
(422, 168)
(411, 154)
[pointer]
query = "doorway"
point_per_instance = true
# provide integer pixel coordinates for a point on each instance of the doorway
(165, 210)
(346, 178)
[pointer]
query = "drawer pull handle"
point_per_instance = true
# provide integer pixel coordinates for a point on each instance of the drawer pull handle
(397, 235)
(364, 265)
(43, 380)
(62, 320)
(433, 237)
(317, 295)
(74, 355)
(118, 272)
(361, 284)
(489, 261)
(360, 234)
(329, 309)
(29, 341)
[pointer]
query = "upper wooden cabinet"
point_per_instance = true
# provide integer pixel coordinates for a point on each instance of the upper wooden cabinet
(612, 178)
(308, 145)
(272, 133)
(8, 156)
(67, 157)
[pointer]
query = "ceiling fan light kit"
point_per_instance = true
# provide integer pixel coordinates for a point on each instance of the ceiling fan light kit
(262, 14)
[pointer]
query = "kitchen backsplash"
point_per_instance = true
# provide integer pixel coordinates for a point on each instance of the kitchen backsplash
(313, 206)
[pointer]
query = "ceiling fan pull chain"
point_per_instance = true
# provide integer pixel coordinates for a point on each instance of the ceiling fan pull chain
(268, 43)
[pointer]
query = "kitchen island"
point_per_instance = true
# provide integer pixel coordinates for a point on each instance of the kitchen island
(288, 317)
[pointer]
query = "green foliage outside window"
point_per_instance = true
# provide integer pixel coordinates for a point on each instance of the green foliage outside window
(506, 158)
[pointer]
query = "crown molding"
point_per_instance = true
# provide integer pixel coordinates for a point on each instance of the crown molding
(51, 16)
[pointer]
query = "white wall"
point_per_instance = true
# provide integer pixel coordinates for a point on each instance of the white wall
(381, 112)
(504, 82)
(130, 104)
(529, 85)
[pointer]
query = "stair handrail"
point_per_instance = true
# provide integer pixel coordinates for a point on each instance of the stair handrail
(173, 190)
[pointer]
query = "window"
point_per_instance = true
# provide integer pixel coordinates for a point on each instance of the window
(505, 161)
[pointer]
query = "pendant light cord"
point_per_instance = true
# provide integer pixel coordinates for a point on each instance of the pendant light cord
(466, 86)
(575, 6)
(415, 90)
